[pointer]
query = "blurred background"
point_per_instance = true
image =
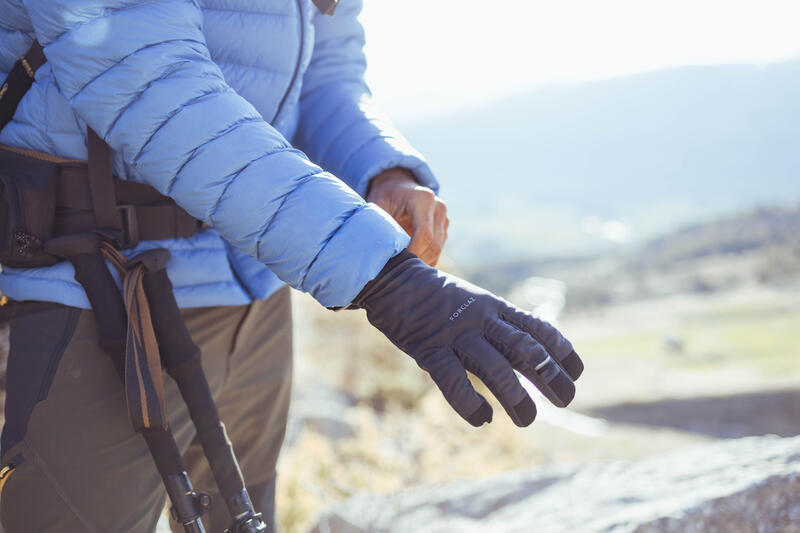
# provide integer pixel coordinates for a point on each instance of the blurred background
(630, 170)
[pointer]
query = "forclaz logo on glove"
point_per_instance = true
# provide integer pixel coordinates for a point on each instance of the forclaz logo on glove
(462, 308)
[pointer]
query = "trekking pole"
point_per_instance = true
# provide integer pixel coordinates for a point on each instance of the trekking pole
(153, 310)
(143, 331)
(181, 358)
(83, 251)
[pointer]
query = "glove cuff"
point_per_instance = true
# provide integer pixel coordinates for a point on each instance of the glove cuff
(372, 286)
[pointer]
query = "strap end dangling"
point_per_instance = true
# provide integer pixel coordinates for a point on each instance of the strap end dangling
(326, 7)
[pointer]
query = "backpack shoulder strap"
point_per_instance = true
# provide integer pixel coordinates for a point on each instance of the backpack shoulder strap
(19, 80)
(101, 186)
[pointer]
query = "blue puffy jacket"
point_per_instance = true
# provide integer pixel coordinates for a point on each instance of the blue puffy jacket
(200, 99)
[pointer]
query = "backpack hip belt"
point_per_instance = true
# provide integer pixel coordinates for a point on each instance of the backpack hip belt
(56, 200)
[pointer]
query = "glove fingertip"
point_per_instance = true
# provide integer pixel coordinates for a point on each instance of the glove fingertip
(525, 411)
(481, 415)
(573, 365)
(564, 389)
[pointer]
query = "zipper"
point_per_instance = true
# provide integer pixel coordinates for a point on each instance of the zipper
(8, 469)
(299, 60)
(23, 243)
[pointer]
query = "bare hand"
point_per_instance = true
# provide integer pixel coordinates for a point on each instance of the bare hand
(416, 208)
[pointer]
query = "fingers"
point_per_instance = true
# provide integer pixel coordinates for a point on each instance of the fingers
(555, 343)
(451, 378)
(422, 228)
(573, 364)
(533, 361)
(429, 225)
(440, 225)
(421, 209)
(416, 208)
(483, 360)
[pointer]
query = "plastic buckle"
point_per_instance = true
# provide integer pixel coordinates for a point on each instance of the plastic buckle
(129, 236)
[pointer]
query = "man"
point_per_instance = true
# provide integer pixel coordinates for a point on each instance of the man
(200, 100)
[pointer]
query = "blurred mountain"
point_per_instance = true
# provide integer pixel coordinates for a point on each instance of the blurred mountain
(587, 167)
(758, 247)
(763, 228)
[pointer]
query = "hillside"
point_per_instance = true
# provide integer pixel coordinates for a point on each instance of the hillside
(754, 247)
(524, 177)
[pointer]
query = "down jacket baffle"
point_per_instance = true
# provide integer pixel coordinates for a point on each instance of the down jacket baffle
(198, 99)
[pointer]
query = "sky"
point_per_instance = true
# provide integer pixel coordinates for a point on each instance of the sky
(427, 57)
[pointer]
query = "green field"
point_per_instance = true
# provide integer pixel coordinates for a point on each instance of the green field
(764, 337)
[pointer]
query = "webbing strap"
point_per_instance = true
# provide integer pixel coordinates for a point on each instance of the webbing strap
(33, 59)
(101, 185)
(144, 381)
(19, 80)
(326, 7)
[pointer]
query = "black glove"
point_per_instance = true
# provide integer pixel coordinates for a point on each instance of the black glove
(448, 326)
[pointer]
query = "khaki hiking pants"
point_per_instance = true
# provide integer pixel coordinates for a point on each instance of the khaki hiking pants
(78, 464)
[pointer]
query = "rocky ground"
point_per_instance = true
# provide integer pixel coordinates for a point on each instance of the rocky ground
(656, 440)
(742, 485)
(660, 438)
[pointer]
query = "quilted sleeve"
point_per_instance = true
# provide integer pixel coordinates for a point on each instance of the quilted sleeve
(140, 74)
(340, 128)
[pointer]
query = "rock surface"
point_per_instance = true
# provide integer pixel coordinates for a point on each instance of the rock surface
(319, 406)
(736, 486)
